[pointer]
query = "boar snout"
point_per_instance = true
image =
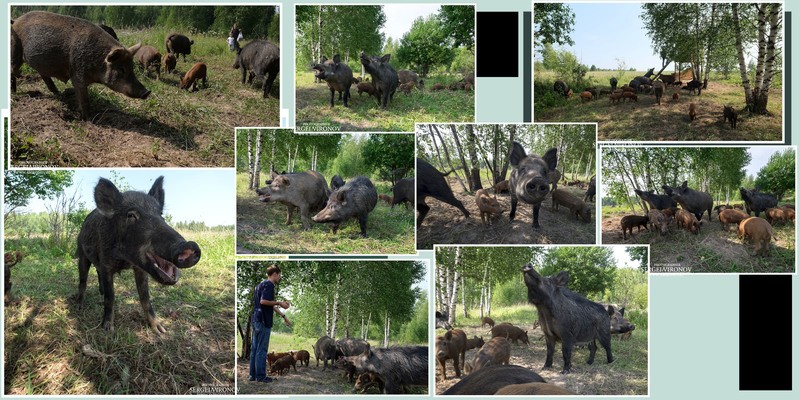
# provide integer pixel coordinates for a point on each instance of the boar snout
(537, 187)
(186, 255)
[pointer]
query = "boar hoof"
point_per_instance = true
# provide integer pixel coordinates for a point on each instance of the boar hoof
(157, 327)
(564, 371)
(108, 326)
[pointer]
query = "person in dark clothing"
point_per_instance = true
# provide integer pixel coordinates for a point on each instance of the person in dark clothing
(234, 34)
(263, 307)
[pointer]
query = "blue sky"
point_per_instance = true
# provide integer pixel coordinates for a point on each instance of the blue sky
(191, 194)
(760, 157)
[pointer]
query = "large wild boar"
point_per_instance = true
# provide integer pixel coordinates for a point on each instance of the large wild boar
(759, 231)
(489, 380)
(656, 201)
(431, 182)
(575, 205)
(307, 191)
(451, 346)
(529, 179)
(534, 389)
(178, 44)
(590, 192)
(567, 316)
(496, 351)
(755, 201)
(384, 77)
(403, 191)
(325, 349)
(68, 48)
(694, 201)
(356, 199)
(127, 230)
(337, 75)
(148, 57)
(398, 366)
(262, 60)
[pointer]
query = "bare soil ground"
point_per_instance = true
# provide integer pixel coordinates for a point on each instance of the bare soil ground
(712, 250)
(446, 224)
(622, 377)
(646, 120)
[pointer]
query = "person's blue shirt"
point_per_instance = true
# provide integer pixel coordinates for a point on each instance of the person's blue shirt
(264, 291)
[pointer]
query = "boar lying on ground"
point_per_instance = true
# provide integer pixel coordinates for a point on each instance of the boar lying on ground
(489, 380)
(629, 221)
(488, 205)
(68, 48)
(760, 233)
(533, 389)
(575, 205)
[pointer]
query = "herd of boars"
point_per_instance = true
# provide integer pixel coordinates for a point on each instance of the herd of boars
(686, 207)
(56, 46)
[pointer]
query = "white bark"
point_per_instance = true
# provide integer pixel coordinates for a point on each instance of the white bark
(250, 160)
(740, 53)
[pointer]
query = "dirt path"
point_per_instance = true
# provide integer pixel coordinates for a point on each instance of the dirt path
(445, 224)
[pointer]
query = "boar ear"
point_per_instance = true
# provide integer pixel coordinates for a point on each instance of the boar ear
(551, 158)
(340, 196)
(517, 154)
(116, 54)
(336, 58)
(272, 174)
(133, 49)
(157, 191)
(324, 59)
(622, 311)
(562, 278)
(386, 57)
(107, 197)
(684, 184)
(610, 309)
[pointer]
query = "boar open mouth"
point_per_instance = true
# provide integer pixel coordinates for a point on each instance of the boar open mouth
(167, 272)
(266, 197)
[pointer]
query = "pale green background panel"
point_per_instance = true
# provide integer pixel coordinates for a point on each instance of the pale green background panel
(693, 319)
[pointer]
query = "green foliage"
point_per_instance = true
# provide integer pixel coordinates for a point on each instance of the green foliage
(509, 293)
(416, 330)
(254, 21)
(390, 155)
(343, 30)
(464, 60)
(21, 186)
(778, 175)
(591, 269)
(626, 287)
(458, 23)
(425, 45)
(552, 24)
(350, 161)
(639, 253)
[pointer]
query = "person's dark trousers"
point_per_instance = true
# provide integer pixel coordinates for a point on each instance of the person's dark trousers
(258, 352)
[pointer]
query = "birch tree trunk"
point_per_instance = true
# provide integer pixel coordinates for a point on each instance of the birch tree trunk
(257, 161)
(475, 172)
(387, 330)
(454, 289)
(464, 297)
(250, 160)
(761, 95)
(463, 160)
(447, 157)
(737, 28)
(335, 311)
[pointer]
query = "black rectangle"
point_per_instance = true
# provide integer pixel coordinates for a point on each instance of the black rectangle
(765, 332)
(496, 33)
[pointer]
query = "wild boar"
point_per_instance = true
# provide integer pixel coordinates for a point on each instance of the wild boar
(496, 351)
(575, 205)
(586, 96)
(656, 201)
(303, 357)
(631, 96)
(788, 213)
(658, 89)
(178, 44)
(68, 48)
(687, 220)
(554, 176)
(169, 63)
(407, 87)
(533, 389)
(487, 321)
(615, 97)
(406, 76)
(384, 77)
(148, 57)
(356, 199)
(397, 366)
(11, 259)
(561, 88)
(567, 316)
(337, 75)
(510, 332)
(451, 346)
(729, 114)
(325, 349)
(760, 233)
(529, 179)
(692, 111)
(127, 230)
(195, 74)
(489, 380)
(629, 221)
(755, 201)
(501, 187)
(386, 198)
(590, 192)
(488, 205)
(403, 192)
(691, 200)
(437, 87)
(109, 30)
(474, 343)
(676, 97)
(273, 356)
(306, 191)
(658, 222)
(368, 380)
(261, 59)
(366, 87)
(731, 216)
(774, 215)
(282, 365)
(613, 82)
(431, 182)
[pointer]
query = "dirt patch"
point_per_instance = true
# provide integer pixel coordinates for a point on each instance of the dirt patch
(445, 224)
(712, 250)
(600, 378)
